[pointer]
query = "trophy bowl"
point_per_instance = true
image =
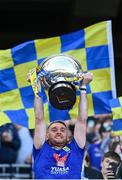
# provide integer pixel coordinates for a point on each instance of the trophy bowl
(62, 71)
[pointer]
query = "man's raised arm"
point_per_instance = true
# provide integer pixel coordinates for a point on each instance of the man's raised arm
(40, 125)
(80, 126)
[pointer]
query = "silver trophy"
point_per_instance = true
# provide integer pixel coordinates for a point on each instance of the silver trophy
(59, 76)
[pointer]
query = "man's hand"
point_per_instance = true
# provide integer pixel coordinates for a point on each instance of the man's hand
(29, 75)
(87, 78)
(108, 174)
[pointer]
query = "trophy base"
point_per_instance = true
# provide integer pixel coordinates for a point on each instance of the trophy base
(62, 95)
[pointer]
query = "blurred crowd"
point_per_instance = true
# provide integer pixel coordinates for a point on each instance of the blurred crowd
(16, 143)
(103, 150)
(103, 155)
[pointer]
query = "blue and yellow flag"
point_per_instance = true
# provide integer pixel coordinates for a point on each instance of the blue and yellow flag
(91, 46)
(116, 106)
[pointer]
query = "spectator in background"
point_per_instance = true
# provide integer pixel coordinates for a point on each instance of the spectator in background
(105, 133)
(110, 163)
(90, 130)
(9, 143)
(116, 139)
(90, 172)
(116, 147)
(100, 145)
(97, 127)
(95, 153)
(25, 151)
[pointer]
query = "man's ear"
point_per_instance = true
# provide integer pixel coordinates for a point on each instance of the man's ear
(47, 136)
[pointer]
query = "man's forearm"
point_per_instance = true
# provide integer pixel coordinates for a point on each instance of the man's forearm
(38, 108)
(83, 105)
(40, 125)
(83, 109)
(80, 126)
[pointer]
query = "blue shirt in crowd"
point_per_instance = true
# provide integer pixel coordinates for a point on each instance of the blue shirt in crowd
(95, 155)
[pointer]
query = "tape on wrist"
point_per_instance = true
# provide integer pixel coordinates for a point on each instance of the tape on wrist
(83, 88)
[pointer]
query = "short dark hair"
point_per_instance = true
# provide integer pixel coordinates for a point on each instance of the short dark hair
(113, 155)
(58, 121)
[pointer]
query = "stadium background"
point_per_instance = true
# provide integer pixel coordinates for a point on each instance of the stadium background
(24, 20)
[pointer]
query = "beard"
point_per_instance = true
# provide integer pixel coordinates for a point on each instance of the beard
(59, 142)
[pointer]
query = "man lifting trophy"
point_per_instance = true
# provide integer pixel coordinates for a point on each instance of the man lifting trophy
(59, 75)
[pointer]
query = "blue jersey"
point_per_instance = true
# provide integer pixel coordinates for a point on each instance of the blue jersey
(65, 163)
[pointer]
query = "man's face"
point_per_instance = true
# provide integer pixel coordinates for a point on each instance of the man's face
(107, 161)
(105, 134)
(57, 134)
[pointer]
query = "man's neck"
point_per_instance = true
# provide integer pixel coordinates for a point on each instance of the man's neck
(57, 147)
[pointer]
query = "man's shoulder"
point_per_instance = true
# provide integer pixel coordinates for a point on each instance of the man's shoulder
(73, 145)
(93, 173)
(41, 147)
